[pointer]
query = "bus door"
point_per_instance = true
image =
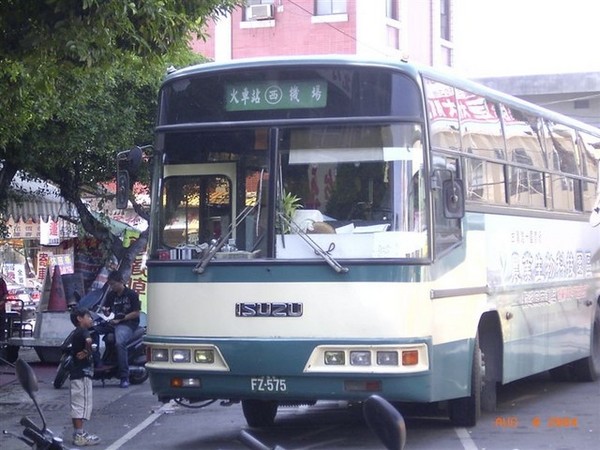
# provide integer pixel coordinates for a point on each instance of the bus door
(198, 202)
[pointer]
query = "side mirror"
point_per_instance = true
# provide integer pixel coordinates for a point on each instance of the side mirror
(122, 189)
(453, 194)
(26, 377)
(29, 383)
(134, 161)
(385, 421)
(595, 215)
(128, 167)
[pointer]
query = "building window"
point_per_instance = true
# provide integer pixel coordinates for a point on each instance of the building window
(328, 7)
(391, 9)
(445, 20)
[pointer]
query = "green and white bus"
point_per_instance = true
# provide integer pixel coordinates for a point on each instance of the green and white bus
(327, 228)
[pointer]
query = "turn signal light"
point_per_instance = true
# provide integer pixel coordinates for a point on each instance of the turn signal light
(410, 358)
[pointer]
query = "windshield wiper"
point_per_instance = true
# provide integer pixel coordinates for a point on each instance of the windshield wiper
(215, 246)
(318, 250)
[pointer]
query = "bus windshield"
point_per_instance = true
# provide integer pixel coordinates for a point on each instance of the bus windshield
(356, 190)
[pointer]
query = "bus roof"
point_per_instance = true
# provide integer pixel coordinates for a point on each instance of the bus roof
(283, 61)
(413, 70)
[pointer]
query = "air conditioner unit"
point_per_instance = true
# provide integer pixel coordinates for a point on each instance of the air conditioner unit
(259, 12)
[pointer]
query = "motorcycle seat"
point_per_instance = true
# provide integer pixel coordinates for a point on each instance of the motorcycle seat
(109, 338)
(138, 333)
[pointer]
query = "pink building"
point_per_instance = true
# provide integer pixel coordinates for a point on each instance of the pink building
(420, 30)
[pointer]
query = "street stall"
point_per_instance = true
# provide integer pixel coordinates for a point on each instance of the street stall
(44, 259)
(37, 221)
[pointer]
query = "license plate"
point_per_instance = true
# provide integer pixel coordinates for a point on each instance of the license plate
(268, 384)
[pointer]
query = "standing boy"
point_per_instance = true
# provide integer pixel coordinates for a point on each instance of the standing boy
(82, 371)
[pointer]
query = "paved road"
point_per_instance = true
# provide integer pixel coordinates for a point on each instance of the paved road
(535, 413)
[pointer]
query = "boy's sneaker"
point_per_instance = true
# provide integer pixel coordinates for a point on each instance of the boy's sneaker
(124, 383)
(85, 439)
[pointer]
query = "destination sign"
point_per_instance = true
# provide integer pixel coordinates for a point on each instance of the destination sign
(265, 95)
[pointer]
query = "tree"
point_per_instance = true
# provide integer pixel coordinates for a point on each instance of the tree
(79, 80)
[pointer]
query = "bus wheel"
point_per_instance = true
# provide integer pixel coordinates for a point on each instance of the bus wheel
(488, 387)
(588, 369)
(259, 413)
(465, 411)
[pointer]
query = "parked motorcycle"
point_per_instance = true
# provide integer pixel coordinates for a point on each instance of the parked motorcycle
(35, 436)
(136, 354)
(381, 417)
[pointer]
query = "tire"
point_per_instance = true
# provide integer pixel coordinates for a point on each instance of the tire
(588, 369)
(465, 411)
(62, 373)
(489, 399)
(138, 377)
(259, 413)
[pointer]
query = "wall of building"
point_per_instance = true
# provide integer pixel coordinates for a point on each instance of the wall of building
(418, 19)
(206, 47)
(365, 30)
(376, 35)
(294, 30)
(584, 106)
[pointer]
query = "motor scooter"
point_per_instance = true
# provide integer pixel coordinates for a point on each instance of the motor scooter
(35, 436)
(106, 361)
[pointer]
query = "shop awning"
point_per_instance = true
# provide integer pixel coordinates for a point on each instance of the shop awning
(37, 209)
(36, 200)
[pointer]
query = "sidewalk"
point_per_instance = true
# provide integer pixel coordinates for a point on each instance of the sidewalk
(12, 396)
(15, 403)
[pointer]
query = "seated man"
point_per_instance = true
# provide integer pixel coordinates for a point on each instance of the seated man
(125, 304)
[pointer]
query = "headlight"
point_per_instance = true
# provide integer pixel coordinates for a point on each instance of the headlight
(180, 355)
(334, 358)
(387, 358)
(204, 356)
(360, 358)
(159, 354)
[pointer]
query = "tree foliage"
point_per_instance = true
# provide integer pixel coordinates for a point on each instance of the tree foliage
(79, 80)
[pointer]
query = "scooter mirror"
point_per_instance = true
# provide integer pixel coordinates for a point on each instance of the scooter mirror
(29, 383)
(385, 421)
(26, 377)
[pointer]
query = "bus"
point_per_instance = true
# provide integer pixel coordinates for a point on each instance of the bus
(328, 228)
